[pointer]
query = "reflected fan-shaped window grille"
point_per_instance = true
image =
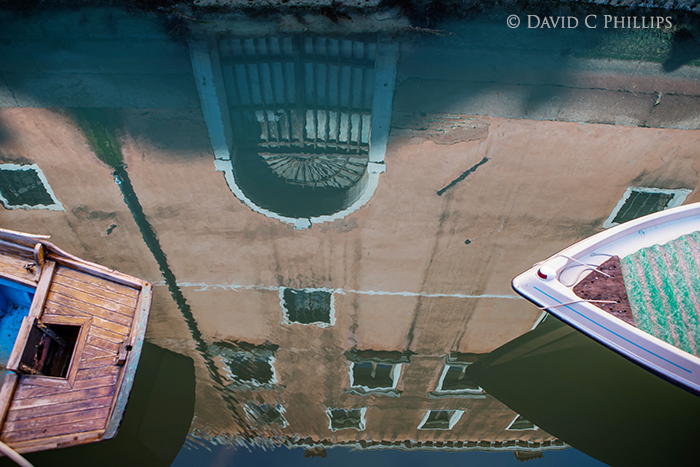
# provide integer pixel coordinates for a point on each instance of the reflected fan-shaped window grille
(300, 110)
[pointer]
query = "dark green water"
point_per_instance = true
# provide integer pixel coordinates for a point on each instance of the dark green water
(582, 391)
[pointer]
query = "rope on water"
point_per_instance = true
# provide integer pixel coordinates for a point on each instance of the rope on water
(14, 455)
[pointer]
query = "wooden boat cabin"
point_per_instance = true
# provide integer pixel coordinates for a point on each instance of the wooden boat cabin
(71, 334)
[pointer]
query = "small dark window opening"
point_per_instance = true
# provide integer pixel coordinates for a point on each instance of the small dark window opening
(308, 306)
(23, 187)
(642, 203)
(521, 423)
(372, 375)
(438, 420)
(456, 380)
(341, 419)
(250, 368)
(246, 364)
(49, 350)
(268, 414)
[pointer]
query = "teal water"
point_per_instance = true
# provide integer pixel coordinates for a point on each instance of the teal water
(15, 300)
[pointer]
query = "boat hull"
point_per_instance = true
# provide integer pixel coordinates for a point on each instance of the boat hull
(549, 285)
(73, 362)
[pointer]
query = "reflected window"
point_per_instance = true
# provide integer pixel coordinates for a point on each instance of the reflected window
(440, 419)
(246, 368)
(454, 381)
(520, 423)
(267, 414)
(372, 375)
(641, 201)
(307, 306)
(25, 187)
(300, 114)
(292, 92)
(246, 365)
(341, 419)
(375, 372)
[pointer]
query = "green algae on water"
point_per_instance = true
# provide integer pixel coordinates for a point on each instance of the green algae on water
(98, 125)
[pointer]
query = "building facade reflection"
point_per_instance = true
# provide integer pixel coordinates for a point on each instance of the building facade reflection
(354, 328)
(319, 399)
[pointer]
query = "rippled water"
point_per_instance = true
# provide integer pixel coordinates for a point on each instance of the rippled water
(331, 204)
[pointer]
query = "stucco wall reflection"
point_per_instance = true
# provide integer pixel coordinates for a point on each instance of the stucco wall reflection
(422, 270)
(402, 275)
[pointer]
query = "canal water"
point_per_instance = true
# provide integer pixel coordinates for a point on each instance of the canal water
(331, 202)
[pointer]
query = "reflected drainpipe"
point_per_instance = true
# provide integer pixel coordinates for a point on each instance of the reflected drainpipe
(97, 126)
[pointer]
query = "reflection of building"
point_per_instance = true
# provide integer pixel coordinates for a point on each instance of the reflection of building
(298, 118)
(364, 400)
(357, 330)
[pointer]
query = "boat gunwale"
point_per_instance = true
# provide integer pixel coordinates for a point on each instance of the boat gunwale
(618, 232)
(632, 357)
(27, 242)
(126, 381)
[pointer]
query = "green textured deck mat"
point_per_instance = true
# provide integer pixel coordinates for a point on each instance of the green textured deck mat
(663, 287)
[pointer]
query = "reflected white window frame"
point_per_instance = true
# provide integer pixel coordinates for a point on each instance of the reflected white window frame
(395, 374)
(320, 324)
(56, 206)
(253, 417)
(474, 393)
(454, 418)
(679, 195)
(363, 419)
(509, 428)
(207, 69)
(250, 383)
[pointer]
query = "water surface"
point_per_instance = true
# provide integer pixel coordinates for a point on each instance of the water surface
(331, 205)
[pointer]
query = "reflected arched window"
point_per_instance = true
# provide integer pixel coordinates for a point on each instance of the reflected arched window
(300, 112)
